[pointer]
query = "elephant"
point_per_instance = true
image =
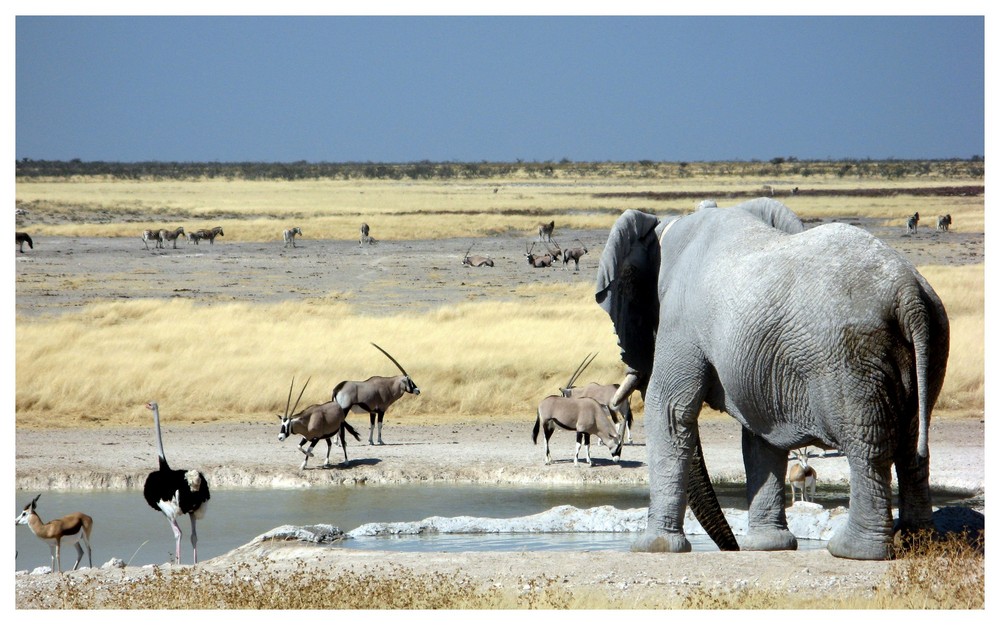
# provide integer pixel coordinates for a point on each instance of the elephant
(823, 336)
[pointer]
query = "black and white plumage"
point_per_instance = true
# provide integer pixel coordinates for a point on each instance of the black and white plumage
(176, 492)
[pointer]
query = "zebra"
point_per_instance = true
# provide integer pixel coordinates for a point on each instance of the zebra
(289, 235)
(21, 238)
(911, 223)
(171, 235)
(152, 235)
(944, 222)
(206, 234)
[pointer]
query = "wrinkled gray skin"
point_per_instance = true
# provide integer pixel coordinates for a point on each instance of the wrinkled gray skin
(823, 337)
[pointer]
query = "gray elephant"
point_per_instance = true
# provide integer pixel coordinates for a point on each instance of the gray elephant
(823, 337)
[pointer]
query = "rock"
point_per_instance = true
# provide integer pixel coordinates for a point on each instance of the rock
(320, 534)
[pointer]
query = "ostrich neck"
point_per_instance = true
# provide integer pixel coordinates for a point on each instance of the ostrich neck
(159, 437)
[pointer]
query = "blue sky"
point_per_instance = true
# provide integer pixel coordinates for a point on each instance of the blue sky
(400, 89)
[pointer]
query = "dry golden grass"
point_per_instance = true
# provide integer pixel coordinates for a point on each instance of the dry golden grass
(395, 210)
(235, 361)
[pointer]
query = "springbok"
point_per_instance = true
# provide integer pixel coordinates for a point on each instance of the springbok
(171, 235)
(374, 395)
(604, 394)
(319, 421)
(574, 254)
(71, 529)
(198, 235)
(21, 238)
(802, 475)
(545, 231)
(476, 261)
(152, 235)
(944, 222)
(912, 221)
(537, 261)
(289, 235)
(583, 415)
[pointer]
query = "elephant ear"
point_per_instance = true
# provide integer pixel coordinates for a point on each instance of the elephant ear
(773, 213)
(626, 286)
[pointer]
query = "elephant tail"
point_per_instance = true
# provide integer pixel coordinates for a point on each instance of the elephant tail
(705, 504)
(925, 323)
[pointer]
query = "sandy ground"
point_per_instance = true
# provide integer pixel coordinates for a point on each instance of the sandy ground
(61, 274)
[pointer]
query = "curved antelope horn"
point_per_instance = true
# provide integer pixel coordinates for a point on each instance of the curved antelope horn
(298, 398)
(468, 250)
(579, 370)
(399, 366)
(35, 500)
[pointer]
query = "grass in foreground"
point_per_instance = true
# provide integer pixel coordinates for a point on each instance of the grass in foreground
(929, 574)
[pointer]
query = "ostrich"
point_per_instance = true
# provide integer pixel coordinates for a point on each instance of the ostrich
(175, 492)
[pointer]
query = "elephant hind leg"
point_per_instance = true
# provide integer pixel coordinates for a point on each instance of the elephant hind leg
(868, 532)
(765, 467)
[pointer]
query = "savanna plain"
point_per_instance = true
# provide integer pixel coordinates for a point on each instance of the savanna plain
(215, 333)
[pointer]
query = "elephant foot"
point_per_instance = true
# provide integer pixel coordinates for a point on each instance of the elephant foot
(662, 543)
(768, 540)
(853, 546)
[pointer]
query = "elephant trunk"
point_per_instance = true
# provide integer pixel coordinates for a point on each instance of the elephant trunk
(705, 505)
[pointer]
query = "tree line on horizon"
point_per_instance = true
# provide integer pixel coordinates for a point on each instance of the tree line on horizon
(27, 168)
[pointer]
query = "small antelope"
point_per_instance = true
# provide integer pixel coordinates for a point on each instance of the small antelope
(574, 254)
(198, 235)
(604, 394)
(319, 421)
(802, 475)
(21, 238)
(944, 222)
(476, 261)
(171, 235)
(374, 395)
(71, 529)
(583, 415)
(911, 222)
(545, 231)
(152, 235)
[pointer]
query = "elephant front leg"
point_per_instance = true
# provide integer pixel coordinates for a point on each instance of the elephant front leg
(765, 467)
(670, 437)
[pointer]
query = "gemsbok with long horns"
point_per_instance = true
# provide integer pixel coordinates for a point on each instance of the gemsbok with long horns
(315, 423)
(374, 395)
(152, 235)
(289, 235)
(171, 235)
(476, 261)
(538, 260)
(71, 529)
(583, 415)
(574, 254)
(604, 394)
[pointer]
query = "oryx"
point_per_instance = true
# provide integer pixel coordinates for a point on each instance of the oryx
(583, 415)
(574, 254)
(374, 395)
(476, 261)
(319, 421)
(604, 394)
(537, 260)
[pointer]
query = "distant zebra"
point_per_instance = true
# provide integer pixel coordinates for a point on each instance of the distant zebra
(289, 235)
(152, 235)
(21, 238)
(944, 222)
(171, 235)
(911, 223)
(198, 235)
(364, 236)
